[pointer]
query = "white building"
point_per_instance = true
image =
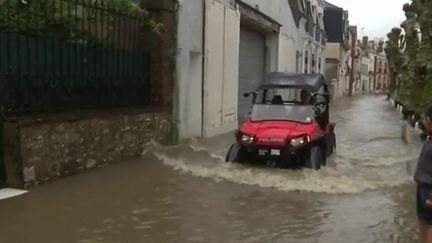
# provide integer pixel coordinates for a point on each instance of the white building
(364, 73)
(314, 37)
(226, 47)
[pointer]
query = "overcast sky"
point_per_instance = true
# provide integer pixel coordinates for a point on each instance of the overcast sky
(377, 17)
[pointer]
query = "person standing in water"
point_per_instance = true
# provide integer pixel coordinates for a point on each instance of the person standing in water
(423, 177)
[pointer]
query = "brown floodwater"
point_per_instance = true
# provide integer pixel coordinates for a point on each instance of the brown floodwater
(187, 193)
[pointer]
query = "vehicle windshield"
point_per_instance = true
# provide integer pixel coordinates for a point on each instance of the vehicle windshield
(285, 96)
(288, 112)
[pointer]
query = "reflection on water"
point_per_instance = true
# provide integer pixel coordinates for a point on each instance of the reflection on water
(187, 193)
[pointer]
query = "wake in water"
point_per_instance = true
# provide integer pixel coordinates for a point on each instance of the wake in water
(350, 177)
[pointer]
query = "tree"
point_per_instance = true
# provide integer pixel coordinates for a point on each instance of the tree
(395, 59)
(410, 57)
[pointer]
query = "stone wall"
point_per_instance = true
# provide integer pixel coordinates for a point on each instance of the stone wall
(37, 150)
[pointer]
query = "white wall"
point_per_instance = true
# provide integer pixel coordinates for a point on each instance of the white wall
(188, 105)
(222, 35)
(287, 50)
(333, 50)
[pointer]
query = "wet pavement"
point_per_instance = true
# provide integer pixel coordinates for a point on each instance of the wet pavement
(187, 193)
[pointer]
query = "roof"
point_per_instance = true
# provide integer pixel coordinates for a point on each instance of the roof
(310, 82)
(331, 5)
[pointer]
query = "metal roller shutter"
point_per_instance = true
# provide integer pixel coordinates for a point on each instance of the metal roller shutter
(251, 67)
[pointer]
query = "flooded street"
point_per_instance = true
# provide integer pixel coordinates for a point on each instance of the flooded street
(187, 193)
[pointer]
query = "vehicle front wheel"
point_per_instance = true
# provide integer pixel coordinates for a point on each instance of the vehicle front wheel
(331, 144)
(235, 153)
(315, 159)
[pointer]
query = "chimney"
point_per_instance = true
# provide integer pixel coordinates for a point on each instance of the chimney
(365, 41)
(380, 47)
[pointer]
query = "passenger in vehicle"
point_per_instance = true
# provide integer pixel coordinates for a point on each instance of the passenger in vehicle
(277, 100)
(320, 108)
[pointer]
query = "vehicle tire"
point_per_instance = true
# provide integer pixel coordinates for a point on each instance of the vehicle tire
(334, 144)
(235, 153)
(316, 158)
(331, 145)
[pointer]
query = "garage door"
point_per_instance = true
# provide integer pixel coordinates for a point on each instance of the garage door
(251, 67)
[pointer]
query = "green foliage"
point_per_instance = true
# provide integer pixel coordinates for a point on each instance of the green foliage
(77, 20)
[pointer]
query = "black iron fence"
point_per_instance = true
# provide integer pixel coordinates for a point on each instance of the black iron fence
(69, 54)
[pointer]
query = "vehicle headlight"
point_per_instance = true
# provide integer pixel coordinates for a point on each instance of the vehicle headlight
(299, 140)
(246, 139)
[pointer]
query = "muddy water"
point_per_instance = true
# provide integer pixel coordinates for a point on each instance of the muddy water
(187, 193)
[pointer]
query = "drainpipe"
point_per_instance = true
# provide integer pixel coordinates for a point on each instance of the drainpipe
(353, 55)
(203, 67)
(175, 109)
(375, 68)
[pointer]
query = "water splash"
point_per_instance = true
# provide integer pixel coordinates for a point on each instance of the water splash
(327, 180)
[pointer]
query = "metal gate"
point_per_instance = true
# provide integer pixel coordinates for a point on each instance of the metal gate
(251, 67)
(69, 54)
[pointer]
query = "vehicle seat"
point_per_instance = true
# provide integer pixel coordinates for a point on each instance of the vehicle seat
(277, 100)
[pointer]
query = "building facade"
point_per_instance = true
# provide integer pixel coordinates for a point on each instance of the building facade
(314, 37)
(226, 47)
(379, 66)
(381, 73)
(366, 67)
(336, 55)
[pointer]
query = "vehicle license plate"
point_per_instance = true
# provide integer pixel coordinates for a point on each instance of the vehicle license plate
(275, 152)
(263, 152)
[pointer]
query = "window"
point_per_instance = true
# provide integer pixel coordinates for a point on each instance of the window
(306, 64)
(313, 63)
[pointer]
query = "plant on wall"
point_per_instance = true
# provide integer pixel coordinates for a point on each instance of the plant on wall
(77, 20)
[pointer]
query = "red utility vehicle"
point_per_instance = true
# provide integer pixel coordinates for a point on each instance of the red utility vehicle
(289, 123)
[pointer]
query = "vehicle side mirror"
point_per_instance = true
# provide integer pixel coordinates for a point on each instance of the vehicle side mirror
(332, 126)
(246, 95)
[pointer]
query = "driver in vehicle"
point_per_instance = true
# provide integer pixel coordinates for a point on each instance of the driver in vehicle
(306, 97)
(319, 105)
